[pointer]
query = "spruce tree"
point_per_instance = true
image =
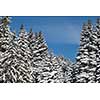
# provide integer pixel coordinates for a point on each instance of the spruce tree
(92, 53)
(48, 72)
(54, 69)
(97, 72)
(86, 58)
(24, 57)
(67, 69)
(6, 41)
(83, 56)
(40, 46)
(39, 51)
(5, 34)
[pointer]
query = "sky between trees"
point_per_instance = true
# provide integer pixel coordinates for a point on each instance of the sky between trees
(61, 33)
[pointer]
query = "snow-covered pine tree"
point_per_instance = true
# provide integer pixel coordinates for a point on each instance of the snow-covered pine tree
(67, 69)
(31, 39)
(6, 41)
(5, 34)
(24, 57)
(39, 51)
(83, 56)
(8, 64)
(75, 72)
(40, 46)
(54, 72)
(50, 71)
(34, 55)
(92, 52)
(54, 69)
(14, 68)
(60, 68)
(86, 58)
(97, 73)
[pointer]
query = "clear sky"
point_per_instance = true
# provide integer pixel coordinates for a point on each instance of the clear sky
(62, 34)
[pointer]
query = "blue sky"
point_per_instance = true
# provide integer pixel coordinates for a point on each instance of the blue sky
(62, 33)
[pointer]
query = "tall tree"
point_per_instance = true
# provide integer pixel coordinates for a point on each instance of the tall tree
(86, 58)
(51, 71)
(97, 73)
(24, 57)
(67, 69)
(5, 34)
(92, 52)
(39, 51)
(6, 41)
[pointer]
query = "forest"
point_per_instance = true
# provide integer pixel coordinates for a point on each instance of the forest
(26, 58)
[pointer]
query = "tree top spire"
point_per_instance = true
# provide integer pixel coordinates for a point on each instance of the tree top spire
(84, 26)
(5, 20)
(98, 20)
(89, 24)
(31, 30)
(22, 26)
(22, 29)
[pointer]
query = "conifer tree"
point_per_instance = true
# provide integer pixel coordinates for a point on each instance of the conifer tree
(92, 53)
(86, 58)
(6, 41)
(14, 67)
(40, 46)
(54, 69)
(24, 57)
(67, 69)
(5, 34)
(49, 72)
(39, 51)
(97, 72)
(83, 56)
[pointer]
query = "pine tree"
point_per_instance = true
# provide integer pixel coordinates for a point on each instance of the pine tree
(97, 72)
(67, 69)
(83, 56)
(93, 49)
(24, 57)
(14, 64)
(55, 72)
(5, 34)
(32, 46)
(10, 72)
(49, 72)
(6, 41)
(39, 51)
(86, 58)
(40, 46)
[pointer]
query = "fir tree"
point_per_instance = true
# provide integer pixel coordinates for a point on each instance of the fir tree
(40, 46)
(86, 58)
(48, 70)
(24, 57)
(67, 69)
(39, 51)
(55, 72)
(5, 34)
(97, 73)
(6, 41)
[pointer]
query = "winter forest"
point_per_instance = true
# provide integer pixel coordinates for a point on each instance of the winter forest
(26, 58)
